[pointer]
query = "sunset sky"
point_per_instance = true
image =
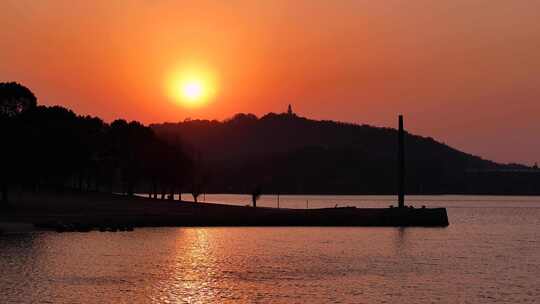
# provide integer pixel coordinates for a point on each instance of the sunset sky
(466, 72)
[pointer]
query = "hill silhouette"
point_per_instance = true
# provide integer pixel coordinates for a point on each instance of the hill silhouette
(286, 153)
(54, 149)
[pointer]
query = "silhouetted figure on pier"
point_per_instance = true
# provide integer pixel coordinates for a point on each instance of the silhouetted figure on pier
(255, 195)
(196, 192)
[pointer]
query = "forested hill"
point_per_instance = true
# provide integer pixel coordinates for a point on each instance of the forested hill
(290, 154)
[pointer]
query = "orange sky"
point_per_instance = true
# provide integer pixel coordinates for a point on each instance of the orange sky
(466, 72)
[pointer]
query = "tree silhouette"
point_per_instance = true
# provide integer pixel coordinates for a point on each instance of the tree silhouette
(15, 99)
(54, 149)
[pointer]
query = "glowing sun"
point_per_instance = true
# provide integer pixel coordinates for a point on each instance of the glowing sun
(192, 91)
(192, 87)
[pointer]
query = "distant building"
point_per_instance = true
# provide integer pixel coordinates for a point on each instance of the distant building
(535, 166)
(289, 111)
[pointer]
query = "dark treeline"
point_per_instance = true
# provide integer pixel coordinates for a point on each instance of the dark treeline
(53, 149)
(286, 153)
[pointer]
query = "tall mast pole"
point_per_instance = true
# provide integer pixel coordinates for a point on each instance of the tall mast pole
(401, 164)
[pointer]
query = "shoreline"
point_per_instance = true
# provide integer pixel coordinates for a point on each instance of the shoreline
(95, 210)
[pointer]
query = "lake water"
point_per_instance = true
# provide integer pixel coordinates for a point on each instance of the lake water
(490, 253)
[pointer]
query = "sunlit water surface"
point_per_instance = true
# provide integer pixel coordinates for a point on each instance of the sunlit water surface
(489, 254)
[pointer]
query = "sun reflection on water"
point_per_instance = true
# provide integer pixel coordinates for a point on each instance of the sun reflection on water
(194, 277)
(467, 261)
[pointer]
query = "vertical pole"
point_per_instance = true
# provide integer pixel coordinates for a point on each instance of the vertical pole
(278, 200)
(401, 164)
